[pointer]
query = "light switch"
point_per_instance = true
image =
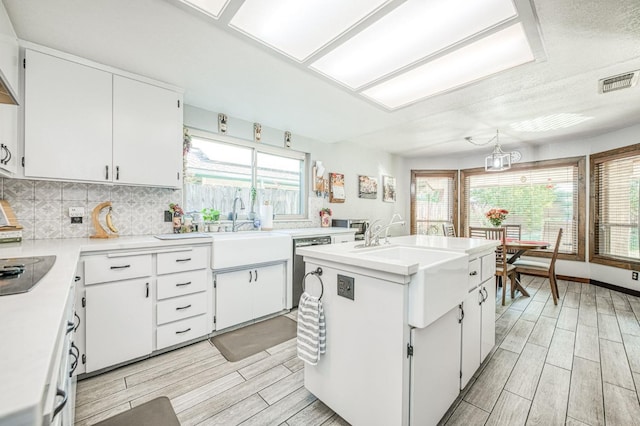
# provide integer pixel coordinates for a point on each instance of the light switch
(76, 211)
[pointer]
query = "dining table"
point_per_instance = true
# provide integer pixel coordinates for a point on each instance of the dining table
(517, 248)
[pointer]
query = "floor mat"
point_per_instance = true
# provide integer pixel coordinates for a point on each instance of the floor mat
(246, 341)
(157, 412)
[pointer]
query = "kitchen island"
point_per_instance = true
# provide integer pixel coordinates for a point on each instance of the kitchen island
(404, 323)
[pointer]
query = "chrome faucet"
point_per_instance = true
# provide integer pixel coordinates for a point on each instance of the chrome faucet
(234, 214)
(373, 232)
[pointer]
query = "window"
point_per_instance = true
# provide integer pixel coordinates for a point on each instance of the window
(541, 197)
(615, 198)
(216, 168)
(433, 201)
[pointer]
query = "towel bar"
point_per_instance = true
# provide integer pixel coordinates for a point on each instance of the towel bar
(317, 273)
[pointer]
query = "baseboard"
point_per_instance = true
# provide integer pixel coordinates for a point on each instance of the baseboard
(616, 288)
(575, 279)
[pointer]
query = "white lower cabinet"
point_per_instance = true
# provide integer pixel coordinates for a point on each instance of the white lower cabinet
(478, 325)
(181, 331)
(247, 294)
(435, 365)
(118, 322)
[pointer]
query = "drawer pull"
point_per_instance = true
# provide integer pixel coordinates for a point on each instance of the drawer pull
(121, 267)
(59, 407)
(70, 327)
(473, 273)
(179, 308)
(183, 284)
(183, 260)
(183, 331)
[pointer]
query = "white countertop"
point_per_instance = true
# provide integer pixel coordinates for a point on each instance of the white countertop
(353, 254)
(30, 322)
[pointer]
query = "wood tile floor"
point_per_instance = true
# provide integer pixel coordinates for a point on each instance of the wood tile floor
(575, 363)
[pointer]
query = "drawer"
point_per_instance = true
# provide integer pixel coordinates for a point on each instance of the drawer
(104, 268)
(181, 307)
(181, 331)
(184, 260)
(488, 266)
(475, 273)
(182, 283)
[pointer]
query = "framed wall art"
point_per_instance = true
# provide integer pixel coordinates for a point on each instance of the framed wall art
(336, 188)
(388, 189)
(367, 187)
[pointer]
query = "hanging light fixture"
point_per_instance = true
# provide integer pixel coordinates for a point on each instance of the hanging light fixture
(498, 160)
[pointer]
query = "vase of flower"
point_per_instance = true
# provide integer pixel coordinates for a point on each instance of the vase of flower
(325, 217)
(496, 216)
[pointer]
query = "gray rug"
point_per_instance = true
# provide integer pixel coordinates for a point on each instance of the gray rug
(246, 341)
(157, 412)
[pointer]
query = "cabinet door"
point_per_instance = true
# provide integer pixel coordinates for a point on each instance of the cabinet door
(267, 290)
(67, 119)
(119, 322)
(436, 356)
(488, 333)
(470, 360)
(8, 139)
(234, 302)
(147, 128)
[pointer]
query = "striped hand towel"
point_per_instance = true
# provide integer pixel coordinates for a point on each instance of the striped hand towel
(312, 338)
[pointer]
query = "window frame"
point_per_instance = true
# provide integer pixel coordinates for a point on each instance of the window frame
(265, 149)
(594, 160)
(579, 162)
(435, 174)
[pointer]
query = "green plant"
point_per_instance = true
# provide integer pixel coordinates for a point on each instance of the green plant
(210, 215)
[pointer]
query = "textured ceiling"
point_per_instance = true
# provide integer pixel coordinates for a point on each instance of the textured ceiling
(225, 72)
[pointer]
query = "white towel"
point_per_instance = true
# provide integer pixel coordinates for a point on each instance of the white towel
(312, 338)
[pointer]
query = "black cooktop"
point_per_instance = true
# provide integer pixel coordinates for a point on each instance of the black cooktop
(21, 274)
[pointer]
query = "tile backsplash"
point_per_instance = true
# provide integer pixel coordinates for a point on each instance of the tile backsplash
(42, 207)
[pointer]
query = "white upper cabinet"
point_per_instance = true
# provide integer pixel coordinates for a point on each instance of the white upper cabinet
(85, 123)
(147, 147)
(68, 119)
(9, 55)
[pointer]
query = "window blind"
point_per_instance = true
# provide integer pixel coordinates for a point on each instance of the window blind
(540, 199)
(616, 188)
(433, 201)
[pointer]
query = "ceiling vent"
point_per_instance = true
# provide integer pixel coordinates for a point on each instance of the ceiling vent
(618, 82)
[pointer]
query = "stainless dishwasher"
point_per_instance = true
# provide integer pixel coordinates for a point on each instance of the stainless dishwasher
(298, 262)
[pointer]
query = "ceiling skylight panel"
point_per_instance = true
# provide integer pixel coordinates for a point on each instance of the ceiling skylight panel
(209, 7)
(298, 28)
(412, 31)
(497, 52)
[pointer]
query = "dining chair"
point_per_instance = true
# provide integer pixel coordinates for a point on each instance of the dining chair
(514, 232)
(448, 230)
(504, 271)
(541, 269)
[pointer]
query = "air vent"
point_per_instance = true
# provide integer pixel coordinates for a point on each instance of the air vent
(618, 82)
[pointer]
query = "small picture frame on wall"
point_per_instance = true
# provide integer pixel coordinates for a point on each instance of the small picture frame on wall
(388, 189)
(336, 188)
(367, 187)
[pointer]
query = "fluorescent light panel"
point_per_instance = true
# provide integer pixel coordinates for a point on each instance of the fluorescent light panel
(412, 31)
(550, 122)
(497, 52)
(209, 7)
(299, 28)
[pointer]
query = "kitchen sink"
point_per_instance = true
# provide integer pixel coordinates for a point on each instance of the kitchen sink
(236, 249)
(439, 284)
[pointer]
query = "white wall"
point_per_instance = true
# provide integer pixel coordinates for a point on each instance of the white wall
(348, 159)
(570, 148)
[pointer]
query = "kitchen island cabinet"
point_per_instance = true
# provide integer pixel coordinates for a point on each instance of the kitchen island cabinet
(409, 334)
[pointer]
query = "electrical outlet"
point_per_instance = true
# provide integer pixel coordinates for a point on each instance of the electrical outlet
(346, 287)
(168, 217)
(634, 275)
(76, 212)
(76, 219)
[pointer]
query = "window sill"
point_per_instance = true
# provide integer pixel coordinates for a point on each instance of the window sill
(616, 263)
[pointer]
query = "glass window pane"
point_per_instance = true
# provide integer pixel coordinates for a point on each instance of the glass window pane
(214, 171)
(279, 182)
(433, 201)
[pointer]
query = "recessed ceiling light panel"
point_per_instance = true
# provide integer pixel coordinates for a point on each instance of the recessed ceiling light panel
(212, 8)
(549, 122)
(497, 52)
(299, 28)
(412, 31)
